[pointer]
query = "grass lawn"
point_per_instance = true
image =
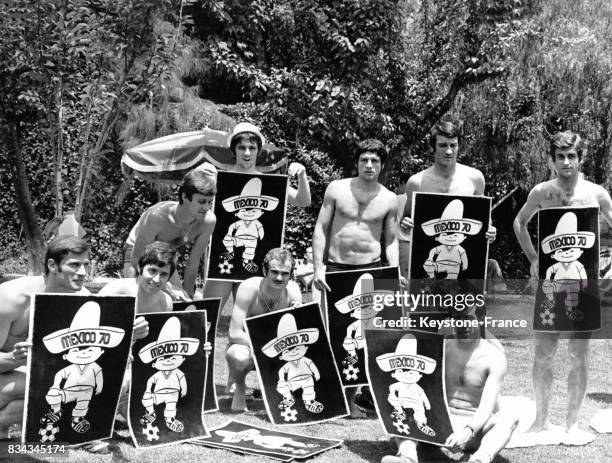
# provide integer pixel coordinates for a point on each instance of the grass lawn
(364, 440)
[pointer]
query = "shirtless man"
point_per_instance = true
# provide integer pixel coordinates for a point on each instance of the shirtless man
(66, 266)
(355, 214)
(568, 189)
(245, 143)
(474, 370)
(155, 266)
(256, 296)
(186, 221)
(446, 175)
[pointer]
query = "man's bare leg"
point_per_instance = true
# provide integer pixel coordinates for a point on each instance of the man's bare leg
(240, 362)
(12, 391)
(545, 349)
(406, 452)
(497, 434)
(578, 351)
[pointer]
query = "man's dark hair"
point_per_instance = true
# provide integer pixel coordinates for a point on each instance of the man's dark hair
(372, 145)
(157, 253)
(61, 246)
(403, 178)
(245, 136)
(445, 129)
(279, 254)
(567, 139)
(197, 181)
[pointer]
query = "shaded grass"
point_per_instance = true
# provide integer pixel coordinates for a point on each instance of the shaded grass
(364, 440)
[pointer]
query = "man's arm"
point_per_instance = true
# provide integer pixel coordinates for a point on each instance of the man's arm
(412, 185)
(479, 183)
(320, 236)
(520, 228)
(294, 295)
(198, 251)
(497, 366)
(147, 234)
(390, 227)
(117, 287)
(605, 205)
(301, 196)
(244, 298)
(8, 360)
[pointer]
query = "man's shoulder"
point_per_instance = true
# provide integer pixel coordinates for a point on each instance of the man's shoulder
(469, 171)
(120, 286)
(15, 292)
(493, 355)
(339, 185)
(161, 210)
(250, 284)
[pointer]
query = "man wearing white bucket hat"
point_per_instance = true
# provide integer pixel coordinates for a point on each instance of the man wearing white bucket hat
(85, 341)
(569, 188)
(166, 386)
(245, 143)
(291, 344)
(449, 258)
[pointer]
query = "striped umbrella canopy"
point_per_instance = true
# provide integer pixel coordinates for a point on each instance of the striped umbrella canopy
(167, 159)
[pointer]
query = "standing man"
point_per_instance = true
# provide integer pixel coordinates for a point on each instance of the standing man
(569, 188)
(178, 223)
(256, 296)
(446, 175)
(245, 143)
(356, 213)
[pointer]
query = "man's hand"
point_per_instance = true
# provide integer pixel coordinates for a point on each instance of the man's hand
(491, 233)
(319, 281)
(403, 283)
(20, 352)
(207, 348)
(406, 224)
(141, 328)
(458, 440)
(295, 168)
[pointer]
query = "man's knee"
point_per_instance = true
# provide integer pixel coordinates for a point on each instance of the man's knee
(545, 350)
(239, 357)
(11, 413)
(578, 353)
(12, 387)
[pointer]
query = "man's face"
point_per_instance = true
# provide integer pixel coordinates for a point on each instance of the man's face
(567, 254)
(279, 273)
(83, 355)
(198, 205)
(369, 166)
(451, 239)
(567, 163)
(246, 154)
(249, 214)
(168, 362)
(153, 277)
(69, 276)
(445, 152)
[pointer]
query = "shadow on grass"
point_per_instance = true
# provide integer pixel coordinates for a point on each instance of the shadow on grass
(604, 397)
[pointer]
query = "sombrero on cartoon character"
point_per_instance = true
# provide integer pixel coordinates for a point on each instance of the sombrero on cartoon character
(452, 221)
(84, 331)
(250, 198)
(288, 336)
(406, 357)
(169, 342)
(567, 235)
(364, 296)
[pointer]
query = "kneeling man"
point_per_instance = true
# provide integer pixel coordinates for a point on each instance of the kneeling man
(256, 296)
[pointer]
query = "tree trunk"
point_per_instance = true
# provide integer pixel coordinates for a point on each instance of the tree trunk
(27, 215)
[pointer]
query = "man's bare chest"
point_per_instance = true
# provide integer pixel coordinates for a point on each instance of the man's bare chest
(366, 209)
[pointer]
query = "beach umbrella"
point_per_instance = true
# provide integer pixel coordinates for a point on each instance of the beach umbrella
(168, 159)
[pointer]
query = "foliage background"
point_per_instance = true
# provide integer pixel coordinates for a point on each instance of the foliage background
(317, 76)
